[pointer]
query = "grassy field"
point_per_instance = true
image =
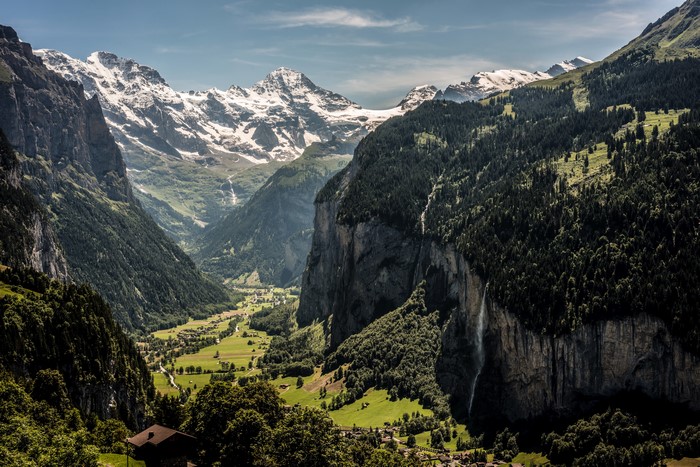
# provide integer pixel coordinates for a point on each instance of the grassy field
(379, 411)
(162, 384)
(235, 349)
(118, 460)
(531, 458)
(239, 349)
(214, 330)
(599, 168)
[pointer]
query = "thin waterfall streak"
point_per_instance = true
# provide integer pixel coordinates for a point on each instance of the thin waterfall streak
(479, 341)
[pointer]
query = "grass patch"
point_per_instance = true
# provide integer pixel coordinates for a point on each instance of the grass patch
(427, 140)
(599, 168)
(379, 410)
(685, 462)
(531, 458)
(118, 460)
(162, 384)
(6, 290)
(508, 111)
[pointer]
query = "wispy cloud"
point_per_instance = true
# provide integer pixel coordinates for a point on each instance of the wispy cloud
(325, 17)
(171, 50)
(240, 61)
(398, 75)
(609, 19)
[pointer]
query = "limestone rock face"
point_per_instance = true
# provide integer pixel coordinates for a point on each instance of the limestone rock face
(44, 115)
(357, 273)
(26, 236)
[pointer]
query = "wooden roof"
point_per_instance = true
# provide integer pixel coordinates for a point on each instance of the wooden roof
(155, 435)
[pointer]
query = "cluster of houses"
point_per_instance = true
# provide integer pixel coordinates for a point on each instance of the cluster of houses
(432, 456)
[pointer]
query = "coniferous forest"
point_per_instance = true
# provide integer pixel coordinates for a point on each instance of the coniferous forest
(614, 243)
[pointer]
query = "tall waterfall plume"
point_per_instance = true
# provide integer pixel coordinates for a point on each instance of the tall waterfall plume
(479, 344)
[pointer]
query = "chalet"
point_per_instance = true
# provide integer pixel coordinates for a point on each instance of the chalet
(160, 446)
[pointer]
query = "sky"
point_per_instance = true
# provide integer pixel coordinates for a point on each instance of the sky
(372, 52)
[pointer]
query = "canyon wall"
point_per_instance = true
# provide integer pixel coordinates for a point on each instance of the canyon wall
(356, 273)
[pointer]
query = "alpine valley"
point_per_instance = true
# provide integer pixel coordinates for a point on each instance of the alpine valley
(195, 157)
(501, 272)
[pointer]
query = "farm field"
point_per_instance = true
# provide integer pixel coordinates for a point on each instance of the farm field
(241, 349)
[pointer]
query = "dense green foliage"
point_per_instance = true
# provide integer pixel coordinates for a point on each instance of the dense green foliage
(397, 352)
(247, 426)
(46, 324)
(64, 362)
(35, 433)
(296, 354)
(271, 234)
(618, 438)
(618, 242)
(142, 274)
(276, 321)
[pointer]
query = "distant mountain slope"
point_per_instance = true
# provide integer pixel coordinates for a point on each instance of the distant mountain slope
(675, 35)
(75, 170)
(271, 234)
(189, 153)
(485, 83)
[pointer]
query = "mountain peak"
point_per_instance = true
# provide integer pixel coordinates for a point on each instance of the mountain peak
(568, 65)
(417, 96)
(125, 66)
(284, 79)
(8, 34)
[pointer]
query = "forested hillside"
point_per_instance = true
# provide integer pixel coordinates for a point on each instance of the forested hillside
(48, 326)
(603, 194)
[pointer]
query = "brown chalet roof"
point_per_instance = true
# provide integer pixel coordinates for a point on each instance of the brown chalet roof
(155, 435)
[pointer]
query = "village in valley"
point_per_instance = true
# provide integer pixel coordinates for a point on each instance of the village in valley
(224, 347)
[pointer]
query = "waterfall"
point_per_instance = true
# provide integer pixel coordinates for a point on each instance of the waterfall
(479, 344)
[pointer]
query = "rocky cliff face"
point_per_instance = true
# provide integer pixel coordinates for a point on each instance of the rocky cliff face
(26, 236)
(356, 273)
(76, 175)
(46, 116)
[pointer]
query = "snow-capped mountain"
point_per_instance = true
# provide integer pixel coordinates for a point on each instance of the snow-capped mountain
(273, 120)
(486, 83)
(417, 96)
(568, 65)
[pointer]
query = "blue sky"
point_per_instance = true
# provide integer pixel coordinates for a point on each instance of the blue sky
(370, 51)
